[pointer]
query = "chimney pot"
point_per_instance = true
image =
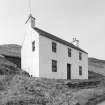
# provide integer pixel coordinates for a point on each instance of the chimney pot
(32, 21)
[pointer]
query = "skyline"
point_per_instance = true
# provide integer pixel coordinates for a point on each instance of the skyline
(84, 19)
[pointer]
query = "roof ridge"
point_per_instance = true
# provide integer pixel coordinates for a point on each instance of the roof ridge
(53, 37)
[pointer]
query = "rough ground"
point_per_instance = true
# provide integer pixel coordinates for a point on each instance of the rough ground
(18, 88)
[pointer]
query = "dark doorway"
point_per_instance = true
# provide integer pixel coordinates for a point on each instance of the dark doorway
(68, 71)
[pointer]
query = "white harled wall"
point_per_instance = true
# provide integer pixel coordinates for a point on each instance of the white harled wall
(30, 59)
(46, 56)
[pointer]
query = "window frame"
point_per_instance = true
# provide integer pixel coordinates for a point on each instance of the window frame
(33, 45)
(54, 65)
(80, 56)
(69, 52)
(80, 70)
(54, 47)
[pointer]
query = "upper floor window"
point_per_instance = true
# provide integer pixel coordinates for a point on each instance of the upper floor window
(69, 52)
(80, 70)
(80, 56)
(33, 46)
(54, 66)
(54, 47)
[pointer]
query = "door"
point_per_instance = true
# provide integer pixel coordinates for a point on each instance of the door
(68, 71)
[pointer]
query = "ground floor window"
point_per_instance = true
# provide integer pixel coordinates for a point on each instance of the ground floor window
(33, 45)
(80, 70)
(54, 65)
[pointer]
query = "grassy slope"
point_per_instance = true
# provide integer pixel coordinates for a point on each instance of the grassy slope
(97, 66)
(10, 49)
(16, 88)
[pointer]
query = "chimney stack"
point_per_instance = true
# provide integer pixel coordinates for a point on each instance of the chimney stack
(75, 42)
(31, 19)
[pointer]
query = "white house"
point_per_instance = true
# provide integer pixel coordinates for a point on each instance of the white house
(48, 56)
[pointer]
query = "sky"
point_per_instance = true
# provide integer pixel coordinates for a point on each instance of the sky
(83, 19)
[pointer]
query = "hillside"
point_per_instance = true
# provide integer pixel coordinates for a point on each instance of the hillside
(97, 65)
(10, 49)
(18, 88)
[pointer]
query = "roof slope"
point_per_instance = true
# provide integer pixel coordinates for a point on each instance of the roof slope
(53, 37)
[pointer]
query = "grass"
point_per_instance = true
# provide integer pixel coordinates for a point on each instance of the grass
(18, 88)
(28, 90)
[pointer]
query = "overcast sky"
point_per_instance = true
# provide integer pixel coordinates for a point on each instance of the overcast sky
(84, 19)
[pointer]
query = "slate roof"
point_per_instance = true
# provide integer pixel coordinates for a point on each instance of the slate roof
(55, 38)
